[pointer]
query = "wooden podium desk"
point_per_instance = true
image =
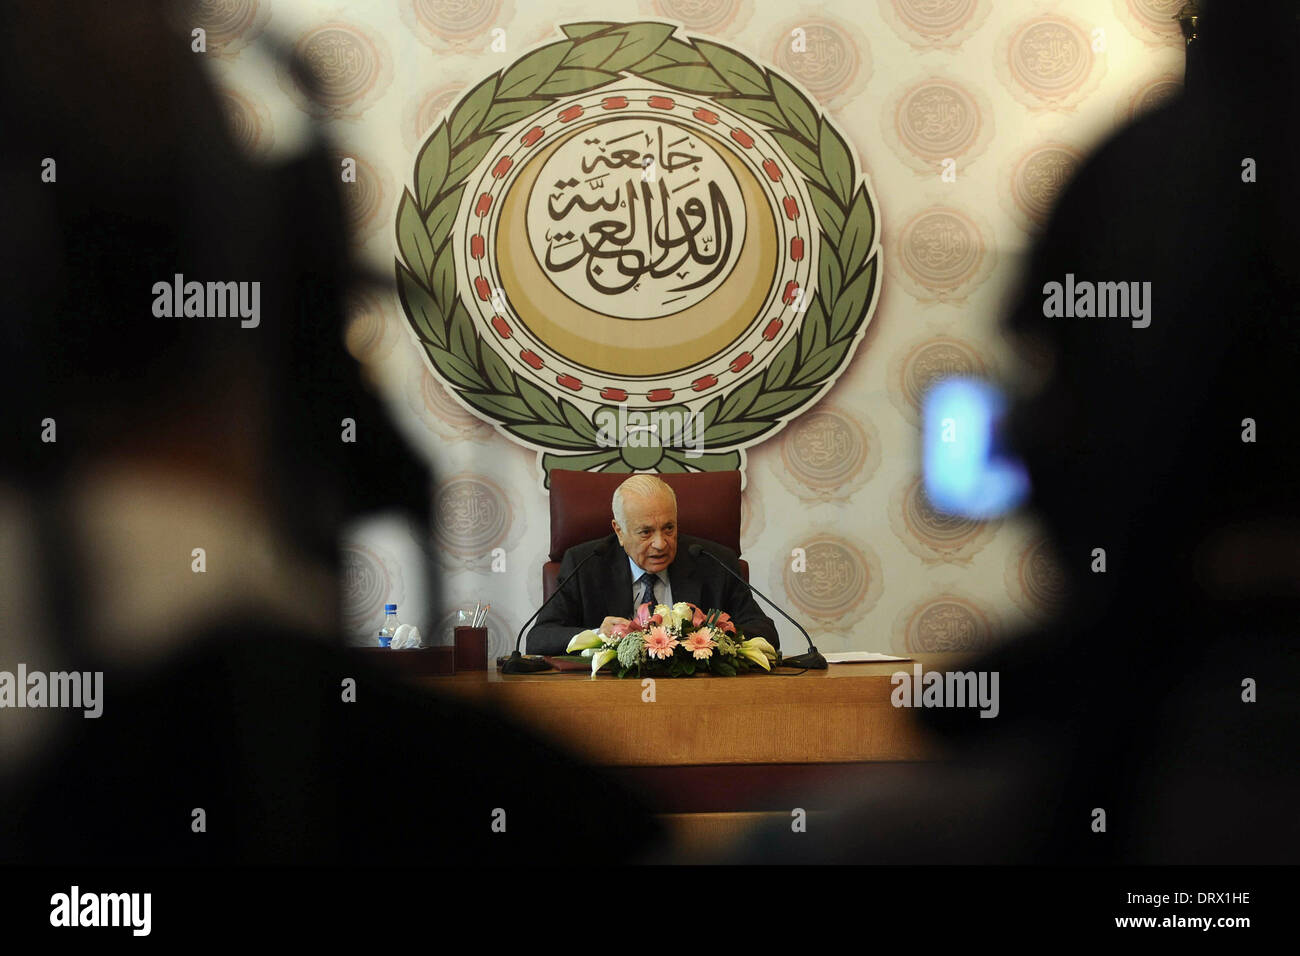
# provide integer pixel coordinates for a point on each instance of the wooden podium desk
(719, 753)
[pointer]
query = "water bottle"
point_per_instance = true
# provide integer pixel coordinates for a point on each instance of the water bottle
(391, 624)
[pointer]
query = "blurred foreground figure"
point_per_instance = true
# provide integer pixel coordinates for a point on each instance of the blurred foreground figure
(1133, 701)
(224, 693)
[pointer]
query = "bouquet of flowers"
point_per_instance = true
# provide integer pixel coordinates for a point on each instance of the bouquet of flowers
(675, 641)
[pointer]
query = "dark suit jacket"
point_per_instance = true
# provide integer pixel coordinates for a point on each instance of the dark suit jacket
(603, 588)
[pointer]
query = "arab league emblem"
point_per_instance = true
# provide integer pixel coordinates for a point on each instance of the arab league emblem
(636, 252)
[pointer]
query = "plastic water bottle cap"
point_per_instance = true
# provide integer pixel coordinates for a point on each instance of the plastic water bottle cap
(390, 608)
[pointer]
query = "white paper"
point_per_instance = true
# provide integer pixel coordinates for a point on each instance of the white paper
(859, 657)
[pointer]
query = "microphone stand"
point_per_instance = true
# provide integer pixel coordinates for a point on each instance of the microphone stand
(813, 659)
(531, 664)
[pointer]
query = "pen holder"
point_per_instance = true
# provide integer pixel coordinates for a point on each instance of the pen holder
(471, 649)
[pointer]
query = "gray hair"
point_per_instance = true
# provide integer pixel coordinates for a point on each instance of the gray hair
(640, 486)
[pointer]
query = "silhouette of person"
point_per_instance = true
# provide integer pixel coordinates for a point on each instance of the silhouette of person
(1164, 693)
(235, 727)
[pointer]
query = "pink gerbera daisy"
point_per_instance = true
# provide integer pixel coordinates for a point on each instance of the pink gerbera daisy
(659, 644)
(701, 643)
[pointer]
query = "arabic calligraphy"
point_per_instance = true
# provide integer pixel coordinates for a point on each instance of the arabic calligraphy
(636, 217)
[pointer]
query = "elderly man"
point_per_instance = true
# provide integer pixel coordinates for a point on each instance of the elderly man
(653, 566)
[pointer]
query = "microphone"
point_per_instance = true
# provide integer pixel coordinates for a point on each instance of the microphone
(529, 664)
(813, 660)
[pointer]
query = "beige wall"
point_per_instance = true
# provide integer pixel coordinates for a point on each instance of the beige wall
(1015, 91)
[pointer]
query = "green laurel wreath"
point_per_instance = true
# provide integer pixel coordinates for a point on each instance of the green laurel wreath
(592, 56)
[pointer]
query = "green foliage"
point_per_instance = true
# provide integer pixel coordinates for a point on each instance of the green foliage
(631, 650)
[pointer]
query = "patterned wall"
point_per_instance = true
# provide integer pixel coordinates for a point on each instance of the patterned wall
(1015, 92)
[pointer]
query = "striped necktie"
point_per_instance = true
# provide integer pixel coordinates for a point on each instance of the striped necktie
(647, 582)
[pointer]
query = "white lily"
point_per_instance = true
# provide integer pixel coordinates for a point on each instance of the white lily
(755, 655)
(582, 641)
(760, 643)
(600, 659)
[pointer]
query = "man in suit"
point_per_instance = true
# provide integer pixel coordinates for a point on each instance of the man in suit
(651, 565)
